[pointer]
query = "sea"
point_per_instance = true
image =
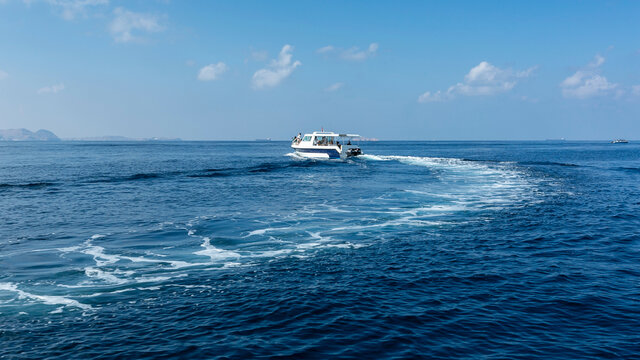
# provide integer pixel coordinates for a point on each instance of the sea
(235, 250)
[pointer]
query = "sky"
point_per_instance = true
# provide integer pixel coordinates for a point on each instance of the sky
(392, 70)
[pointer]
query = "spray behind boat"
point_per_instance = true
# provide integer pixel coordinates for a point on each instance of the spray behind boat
(354, 151)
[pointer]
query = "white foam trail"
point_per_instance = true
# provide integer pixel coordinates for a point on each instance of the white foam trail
(228, 265)
(177, 264)
(103, 275)
(295, 155)
(309, 245)
(406, 221)
(215, 253)
(427, 161)
(46, 299)
(98, 254)
(154, 279)
(109, 292)
(347, 245)
(264, 231)
(472, 184)
(101, 258)
(273, 253)
(374, 157)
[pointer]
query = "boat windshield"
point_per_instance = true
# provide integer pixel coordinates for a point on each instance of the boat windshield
(324, 141)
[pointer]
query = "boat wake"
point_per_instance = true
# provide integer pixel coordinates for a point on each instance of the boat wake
(450, 192)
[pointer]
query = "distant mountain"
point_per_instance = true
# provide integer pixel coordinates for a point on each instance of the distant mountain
(26, 135)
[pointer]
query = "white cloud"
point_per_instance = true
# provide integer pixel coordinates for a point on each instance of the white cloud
(356, 54)
(582, 86)
(278, 70)
(587, 82)
(262, 55)
(635, 90)
(325, 49)
(529, 99)
(3, 75)
(212, 71)
(334, 87)
(73, 8)
(482, 80)
(432, 97)
(53, 89)
(353, 53)
(257, 56)
(597, 61)
(126, 22)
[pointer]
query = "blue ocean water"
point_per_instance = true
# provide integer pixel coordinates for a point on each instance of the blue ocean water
(241, 250)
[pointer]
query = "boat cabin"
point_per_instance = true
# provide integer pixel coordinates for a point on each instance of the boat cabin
(318, 138)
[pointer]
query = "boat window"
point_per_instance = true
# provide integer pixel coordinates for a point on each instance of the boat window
(307, 138)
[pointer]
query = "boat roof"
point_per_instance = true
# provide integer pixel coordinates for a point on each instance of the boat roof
(329, 133)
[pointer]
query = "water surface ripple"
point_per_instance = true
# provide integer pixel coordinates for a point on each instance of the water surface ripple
(242, 250)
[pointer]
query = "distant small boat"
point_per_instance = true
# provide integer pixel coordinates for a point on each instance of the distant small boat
(619, 141)
(326, 145)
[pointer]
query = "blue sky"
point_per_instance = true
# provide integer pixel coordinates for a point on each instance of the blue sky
(256, 69)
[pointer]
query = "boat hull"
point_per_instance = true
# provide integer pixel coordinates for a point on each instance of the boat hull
(319, 153)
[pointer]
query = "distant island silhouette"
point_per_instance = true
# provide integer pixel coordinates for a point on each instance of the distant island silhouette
(46, 135)
(26, 135)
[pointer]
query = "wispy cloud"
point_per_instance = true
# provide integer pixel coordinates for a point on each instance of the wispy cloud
(53, 89)
(635, 90)
(437, 96)
(70, 9)
(482, 80)
(126, 23)
(587, 82)
(278, 70)
(259, 55)
(325, 49)
(3, 75)
(212, 71)
(334, 87)
(353, 54)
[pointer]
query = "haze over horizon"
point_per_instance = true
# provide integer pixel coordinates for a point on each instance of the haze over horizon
(245, 70)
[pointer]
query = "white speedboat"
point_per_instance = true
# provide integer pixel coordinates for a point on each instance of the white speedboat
(619, 141)
(326, 145)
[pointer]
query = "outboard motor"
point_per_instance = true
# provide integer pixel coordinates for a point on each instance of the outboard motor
(354, 152)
